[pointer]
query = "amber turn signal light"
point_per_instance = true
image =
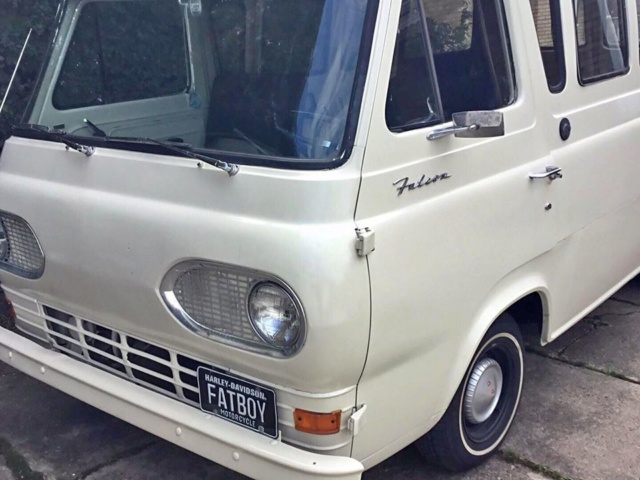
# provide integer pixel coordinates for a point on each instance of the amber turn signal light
(317, 423)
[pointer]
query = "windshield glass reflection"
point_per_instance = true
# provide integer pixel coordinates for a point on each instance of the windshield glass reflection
(257, 77)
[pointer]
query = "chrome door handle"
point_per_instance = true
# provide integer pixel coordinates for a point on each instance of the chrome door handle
(550, 172)
(445, 132)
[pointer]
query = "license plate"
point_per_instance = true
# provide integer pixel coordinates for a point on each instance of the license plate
(239, 401)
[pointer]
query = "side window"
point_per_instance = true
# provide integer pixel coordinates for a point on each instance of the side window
(546, 14)
(467, 47)
(602, 39)
(450, 24)
(123, 51)
(412, 100)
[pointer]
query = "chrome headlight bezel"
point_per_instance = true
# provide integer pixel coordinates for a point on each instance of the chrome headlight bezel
(238, 283)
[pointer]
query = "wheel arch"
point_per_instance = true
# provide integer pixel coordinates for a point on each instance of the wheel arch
(525, 297)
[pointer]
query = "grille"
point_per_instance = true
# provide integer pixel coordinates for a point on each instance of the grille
(216, 300)
(152, 366)
(146, 364)
(22, 254)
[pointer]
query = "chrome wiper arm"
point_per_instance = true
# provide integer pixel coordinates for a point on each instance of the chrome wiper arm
(58, 136)
(183, 149)
(230, 168)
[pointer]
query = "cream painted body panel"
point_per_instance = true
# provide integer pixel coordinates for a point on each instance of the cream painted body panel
(112, 225)
(453, 255)
(394, 331)
(600, 197)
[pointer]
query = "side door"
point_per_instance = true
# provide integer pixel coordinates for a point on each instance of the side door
(144, 84)
(600, 195)
(461, 231)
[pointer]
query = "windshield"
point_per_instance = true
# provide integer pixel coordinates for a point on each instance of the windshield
(258, 78)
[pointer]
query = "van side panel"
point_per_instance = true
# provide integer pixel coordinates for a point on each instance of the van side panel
(600, 194)
(442, 249)
(452, 255)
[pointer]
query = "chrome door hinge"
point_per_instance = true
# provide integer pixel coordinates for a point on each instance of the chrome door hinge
(356, 421)
(366, 242)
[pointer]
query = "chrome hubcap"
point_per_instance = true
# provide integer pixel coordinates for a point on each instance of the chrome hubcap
(483, 391)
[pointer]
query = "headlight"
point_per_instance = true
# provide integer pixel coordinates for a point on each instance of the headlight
(4, 243)
(236, 306)
(275, 316)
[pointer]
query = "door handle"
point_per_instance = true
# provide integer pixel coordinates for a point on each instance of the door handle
(550, 172)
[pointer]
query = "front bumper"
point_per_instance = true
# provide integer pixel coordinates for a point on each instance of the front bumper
(213, 438)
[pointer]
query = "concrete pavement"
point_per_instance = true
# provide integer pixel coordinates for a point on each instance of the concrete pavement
(579, 419)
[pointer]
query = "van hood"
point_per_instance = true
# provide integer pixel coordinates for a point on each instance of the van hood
(113, 224)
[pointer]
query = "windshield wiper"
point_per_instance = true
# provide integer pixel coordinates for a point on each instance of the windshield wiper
(183, 149)
(58, 136)
(187, 150)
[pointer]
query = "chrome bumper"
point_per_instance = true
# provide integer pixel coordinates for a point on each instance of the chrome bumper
(215, 439)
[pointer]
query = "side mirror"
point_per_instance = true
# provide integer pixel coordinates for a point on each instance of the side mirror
(480, 124)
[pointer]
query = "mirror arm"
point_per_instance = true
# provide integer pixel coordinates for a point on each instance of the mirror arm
(445, 132)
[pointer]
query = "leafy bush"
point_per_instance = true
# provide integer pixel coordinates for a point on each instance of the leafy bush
(17, 17)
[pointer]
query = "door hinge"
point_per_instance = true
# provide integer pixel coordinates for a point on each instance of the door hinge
(366, 242)
(356, 421)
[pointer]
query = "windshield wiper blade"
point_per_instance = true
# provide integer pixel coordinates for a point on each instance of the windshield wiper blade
(184, 149)
(58, 136)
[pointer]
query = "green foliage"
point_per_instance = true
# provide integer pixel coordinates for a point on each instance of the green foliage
(451, 38)
(124, 51)
(17, 17)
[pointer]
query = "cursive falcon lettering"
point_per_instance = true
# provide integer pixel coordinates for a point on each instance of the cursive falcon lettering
(403, 184)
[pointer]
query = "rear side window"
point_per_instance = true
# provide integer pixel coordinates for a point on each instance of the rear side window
(546, 14)
(123, 51)
(462, 64)
(602, 39)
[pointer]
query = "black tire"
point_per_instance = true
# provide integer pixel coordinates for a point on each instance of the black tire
(458, 444)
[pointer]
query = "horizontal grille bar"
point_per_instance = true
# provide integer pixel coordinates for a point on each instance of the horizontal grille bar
(127, 356)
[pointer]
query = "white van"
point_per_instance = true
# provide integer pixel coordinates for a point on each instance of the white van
(295, 236)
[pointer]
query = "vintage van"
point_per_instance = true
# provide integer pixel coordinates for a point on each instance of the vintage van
(295, 236)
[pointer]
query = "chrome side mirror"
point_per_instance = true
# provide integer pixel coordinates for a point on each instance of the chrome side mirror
(480, 124)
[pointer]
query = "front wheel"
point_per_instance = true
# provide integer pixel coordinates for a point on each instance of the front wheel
(480, 414)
